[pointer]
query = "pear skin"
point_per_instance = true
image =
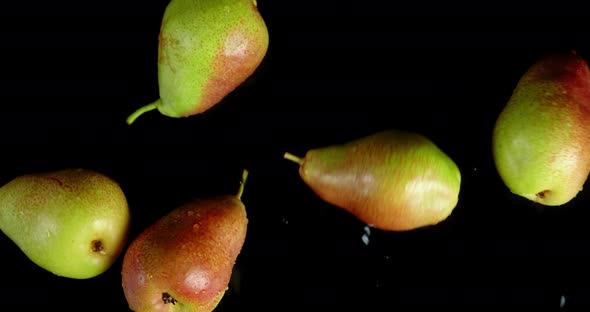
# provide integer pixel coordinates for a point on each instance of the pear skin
(184, 261)
(207, 48)
(73, 222)
(392, 180)
(541, 139)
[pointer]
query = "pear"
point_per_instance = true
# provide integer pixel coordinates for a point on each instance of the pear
(393, 180)
(184, 261)
(207, 48)
(71, 222)
(541, 139)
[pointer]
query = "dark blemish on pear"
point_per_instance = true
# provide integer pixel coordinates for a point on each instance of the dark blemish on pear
(96, 246)
(168, 299)
(542, 194)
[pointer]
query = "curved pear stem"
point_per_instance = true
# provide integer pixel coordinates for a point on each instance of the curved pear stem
(242, 183)
(142, 110)
(293, 158)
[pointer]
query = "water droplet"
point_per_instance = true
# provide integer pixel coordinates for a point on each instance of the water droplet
(285, 221)
(190, 213)
(562, 301)
(474, 168)
(196, 227)
(386, 257)
(365, 239)
(150, 276)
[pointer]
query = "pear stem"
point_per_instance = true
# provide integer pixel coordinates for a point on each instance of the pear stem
(293, 158)
(142, 110)
(242, 183)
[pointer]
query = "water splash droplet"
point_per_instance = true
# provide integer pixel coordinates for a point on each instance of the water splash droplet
(365, 239)
(196, 227)
(562, 301)
(190, 213)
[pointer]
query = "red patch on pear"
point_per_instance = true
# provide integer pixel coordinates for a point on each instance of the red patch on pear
(235, 61)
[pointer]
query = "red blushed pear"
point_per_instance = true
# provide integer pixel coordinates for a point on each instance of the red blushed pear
(184, 261)
(392, 180)
(207, 48)
(541, 140)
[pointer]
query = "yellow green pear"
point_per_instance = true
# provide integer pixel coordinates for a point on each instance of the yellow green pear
(72, 222)
(207, 48)
(541, 139)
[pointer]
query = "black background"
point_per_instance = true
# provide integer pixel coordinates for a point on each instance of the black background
(335, 71)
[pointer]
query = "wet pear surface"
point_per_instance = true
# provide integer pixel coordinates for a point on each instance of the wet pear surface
(184, 261)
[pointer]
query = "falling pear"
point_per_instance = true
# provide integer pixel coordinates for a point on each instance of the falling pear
(207, 48)
(393, 180)
(71, 222)
(541, 139)
(184, 261)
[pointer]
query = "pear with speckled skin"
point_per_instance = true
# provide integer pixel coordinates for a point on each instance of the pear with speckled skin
(207, 48)
(393, 180)
(541, 139)
(184, 261)
(72, 222)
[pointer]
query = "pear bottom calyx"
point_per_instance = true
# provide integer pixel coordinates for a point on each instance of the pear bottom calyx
(168, 299)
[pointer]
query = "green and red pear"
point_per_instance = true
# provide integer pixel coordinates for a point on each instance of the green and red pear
(207, 48)
(541, 139)
(393, 180)
(184, 261)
